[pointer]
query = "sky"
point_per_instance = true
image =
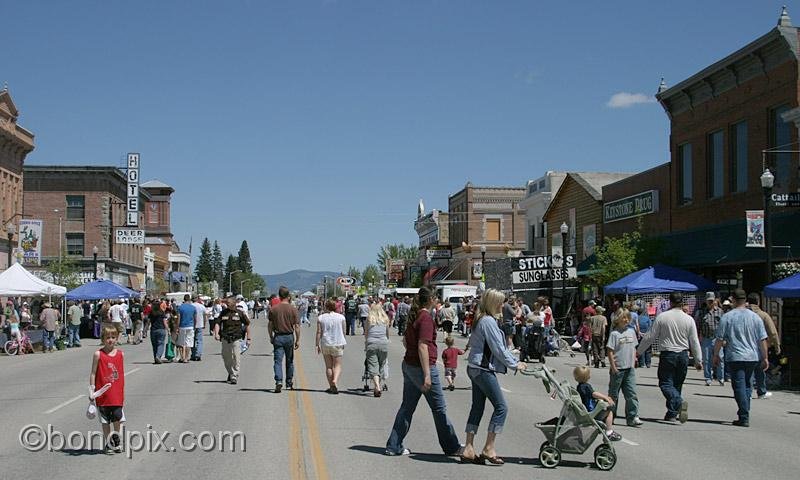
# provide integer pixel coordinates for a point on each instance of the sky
(311, 128)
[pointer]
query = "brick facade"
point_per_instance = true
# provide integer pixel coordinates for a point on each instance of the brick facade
(654, 224)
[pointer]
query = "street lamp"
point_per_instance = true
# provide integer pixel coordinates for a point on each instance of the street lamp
(230, 280)
(564, 231)
(767, 182)
(94, 254)
(10, 231)
(241, 286)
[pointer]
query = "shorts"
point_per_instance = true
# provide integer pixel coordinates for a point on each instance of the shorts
(333, 350)
(508, 328)
(447, 326)
(185, 337)
(450, 372)
(110, 414)
(120, 328)
(601, 417)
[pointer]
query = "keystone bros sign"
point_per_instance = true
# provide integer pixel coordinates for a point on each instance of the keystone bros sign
(629, 207)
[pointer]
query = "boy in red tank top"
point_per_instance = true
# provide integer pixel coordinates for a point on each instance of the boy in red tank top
(108, 367)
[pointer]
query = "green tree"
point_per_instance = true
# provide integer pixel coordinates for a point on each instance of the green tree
(217, 265)
(372, 274)
(204, 270)
(245, 262)
(396, 252)
(252, 282)
(354, 272)
(64, 271)
(231, 279)
(616, 258)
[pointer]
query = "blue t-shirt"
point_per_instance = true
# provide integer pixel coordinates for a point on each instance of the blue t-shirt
(186, 313)
(585, 390)
(742, 329)
(644, 323)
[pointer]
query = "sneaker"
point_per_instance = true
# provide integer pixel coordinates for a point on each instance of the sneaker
(290, 385)
(451, 388)
(708, 382)
(635, 422)
(278, 387)
(765, 396)
(108, 450)
(671, 419)
(683, 414)
(721, 383)
(234, 381)
(614, 436)
(396, 454)
(740, 423)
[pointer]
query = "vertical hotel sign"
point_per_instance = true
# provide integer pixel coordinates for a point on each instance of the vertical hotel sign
(133, 190)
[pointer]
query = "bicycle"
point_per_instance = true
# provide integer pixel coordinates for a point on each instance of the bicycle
(21, 346)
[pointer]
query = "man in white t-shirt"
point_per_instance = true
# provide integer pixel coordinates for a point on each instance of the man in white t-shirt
(242, 305)
(116, 314)
(199, 324)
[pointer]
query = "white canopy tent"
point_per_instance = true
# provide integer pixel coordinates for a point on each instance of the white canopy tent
(18, 282)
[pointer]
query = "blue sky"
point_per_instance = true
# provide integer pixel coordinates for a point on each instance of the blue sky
(312, 127)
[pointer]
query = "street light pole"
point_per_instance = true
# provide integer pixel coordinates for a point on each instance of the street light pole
(767, 182)
(241, 286)
(483, 265)
(10, 232)
(94, 254)
(564, 231)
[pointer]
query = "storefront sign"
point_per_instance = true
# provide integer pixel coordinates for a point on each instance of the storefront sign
(755, 228)
(30, 240)
(477, 270)
(785, 199)
(629, 207)
(437, 252)
(543, 268)
(133, 190)
(129, 236)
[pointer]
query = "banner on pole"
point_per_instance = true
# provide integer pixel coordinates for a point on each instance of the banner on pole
(755, 228)
(30, 240)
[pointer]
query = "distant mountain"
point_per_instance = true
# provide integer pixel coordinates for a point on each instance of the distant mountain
(296, 280)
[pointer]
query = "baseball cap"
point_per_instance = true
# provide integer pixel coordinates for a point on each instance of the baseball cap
(239, 297)
(739, 294)
(710, 296)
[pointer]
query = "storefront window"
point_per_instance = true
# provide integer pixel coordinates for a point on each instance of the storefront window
(739, 157)
(716, 165)
(685, 170)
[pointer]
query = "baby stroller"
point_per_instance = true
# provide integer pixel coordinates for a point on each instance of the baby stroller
(574, 430)
(384, 377)
(534, 343)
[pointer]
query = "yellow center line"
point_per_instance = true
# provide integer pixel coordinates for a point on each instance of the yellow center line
(320, 468)
(296, 463)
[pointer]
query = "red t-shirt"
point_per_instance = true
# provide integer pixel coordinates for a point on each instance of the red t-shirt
(110, 370)
(450, 357)
(548, 316)
(422, 329)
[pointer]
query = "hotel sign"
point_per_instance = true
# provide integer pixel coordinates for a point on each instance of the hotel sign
(630, 207)
(133, 190)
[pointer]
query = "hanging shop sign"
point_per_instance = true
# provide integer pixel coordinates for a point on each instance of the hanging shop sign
(755, 228)
(629, 207)
(133, 190)
(543, 268)
(437, 252)
(785, 199)
(30, 240)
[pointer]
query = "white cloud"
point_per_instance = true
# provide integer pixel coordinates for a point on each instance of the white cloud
(626, 100)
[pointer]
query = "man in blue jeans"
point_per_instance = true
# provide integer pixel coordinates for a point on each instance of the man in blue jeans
(708, 317)
(676, 334)
(284, 333)
(745, 339)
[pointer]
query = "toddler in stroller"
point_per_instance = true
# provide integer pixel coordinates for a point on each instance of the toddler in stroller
(534, 344)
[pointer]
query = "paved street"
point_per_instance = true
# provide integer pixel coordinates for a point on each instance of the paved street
(309, 434)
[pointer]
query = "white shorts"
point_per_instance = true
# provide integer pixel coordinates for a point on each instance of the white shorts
(185, 337)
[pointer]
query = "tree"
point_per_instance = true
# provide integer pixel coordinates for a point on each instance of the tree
(354, 272)
(396, 252)
(616, 258)
(204, 270)
(252, 282)
(217, 266)
(245, 262)
(64, 271)
(372, 274)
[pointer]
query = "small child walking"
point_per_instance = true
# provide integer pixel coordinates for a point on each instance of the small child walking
(450, 359)
(589, 399)
(621, 351)
(108, 366)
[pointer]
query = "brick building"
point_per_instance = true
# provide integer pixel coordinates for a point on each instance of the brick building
(433, 230)
(80, 206)
(643, 199)
(159, 240)
(721, 120)
(487, 217)
(15, 144)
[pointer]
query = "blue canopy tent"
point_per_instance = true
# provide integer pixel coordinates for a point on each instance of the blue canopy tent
(659, 279)
(99, 290)
(789, 287)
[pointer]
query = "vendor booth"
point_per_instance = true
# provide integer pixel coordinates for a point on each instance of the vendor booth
(101, 290)
(786, 295)
(15, 281)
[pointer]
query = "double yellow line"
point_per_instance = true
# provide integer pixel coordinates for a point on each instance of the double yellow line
(298, 470)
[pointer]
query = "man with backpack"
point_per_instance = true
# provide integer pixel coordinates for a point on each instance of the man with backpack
(135, 312)
(350, 311)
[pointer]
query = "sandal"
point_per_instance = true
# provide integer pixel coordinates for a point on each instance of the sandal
(377, 393)
(474, 460)
(493, 460)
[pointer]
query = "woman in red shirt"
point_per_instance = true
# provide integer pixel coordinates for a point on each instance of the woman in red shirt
(421, 377)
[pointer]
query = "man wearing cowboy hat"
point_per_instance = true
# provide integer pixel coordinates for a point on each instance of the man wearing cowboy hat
(598, 324)
(49, 319)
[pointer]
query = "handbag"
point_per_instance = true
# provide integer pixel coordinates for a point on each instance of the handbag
(576, 345)
(170, 351)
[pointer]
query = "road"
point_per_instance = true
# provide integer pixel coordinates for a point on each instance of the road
(309, 434)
